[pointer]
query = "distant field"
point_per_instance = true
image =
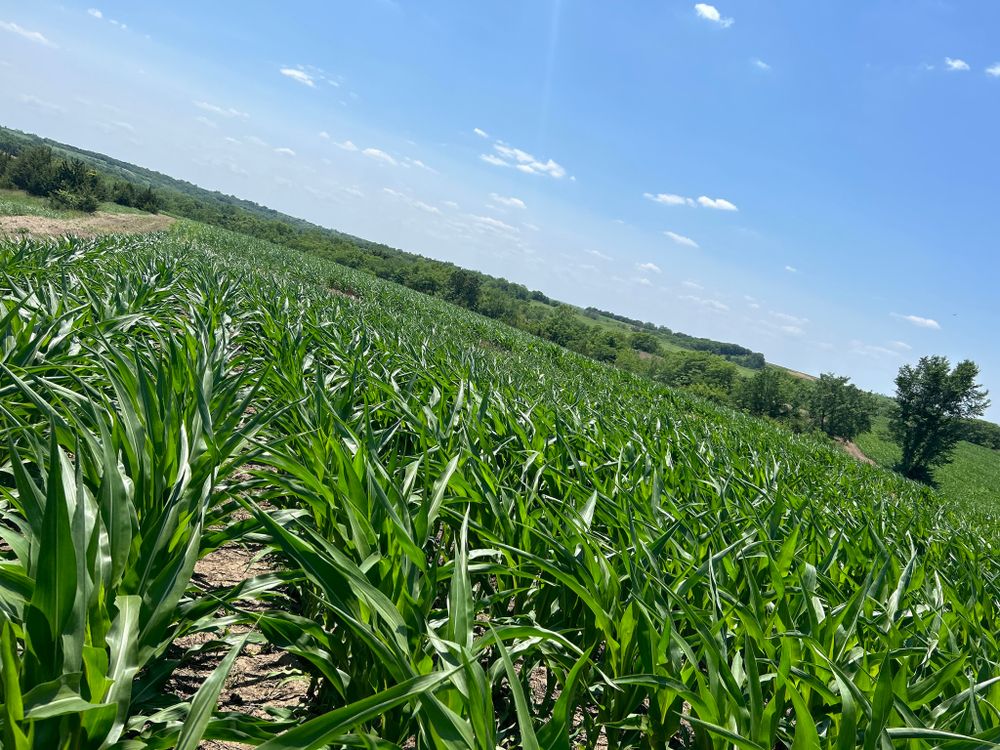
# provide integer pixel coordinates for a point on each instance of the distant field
(973, 477)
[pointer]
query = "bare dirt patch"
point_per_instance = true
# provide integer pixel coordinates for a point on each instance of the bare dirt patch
(85, 226)
(263, 678)
(853, 450)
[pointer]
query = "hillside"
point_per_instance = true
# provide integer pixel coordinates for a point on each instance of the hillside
(495, 297)
(453, 534)
(972, 479)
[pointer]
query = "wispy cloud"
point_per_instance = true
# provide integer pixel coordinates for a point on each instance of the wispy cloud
(481, 133)
(412, 202)
(651, 267)
(509, 201)
(791, 269)
(347, 146)
(711, 13)
(284, 151)
(38, 103)
(692, 285)
(900, 345)
(508, 156)
(488, 222)
(219, 110)
(643, 281)
(669, 199)
(95, 13)
(379, 155)
(31, 36)
(324, 135)
(599, 254)
(955, 64)
(918, 321)
(672, 199)
(719, 204)
(786, 318)
(994, 70)
(711, 304)
(680, 239)
(299, 75)
(760, 64)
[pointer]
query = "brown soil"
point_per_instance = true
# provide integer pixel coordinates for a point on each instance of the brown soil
(85, 226)
(262, 677)
(855, 451)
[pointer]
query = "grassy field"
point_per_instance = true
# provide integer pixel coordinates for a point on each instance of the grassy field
(19, 203)
(972, 479)
(457, 535)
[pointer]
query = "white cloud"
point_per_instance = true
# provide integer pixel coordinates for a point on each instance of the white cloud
(31, 36)
(680, 239)
(644, 281)
(34, 101)
(283, 151)
(451, 204)
(347, 146)
(901, 345)
(786, 318)
(510, 202)
(955, 64)
(523, 161)
(481, 133)
(299, 75)
(720, 204)
(791, 269)
(95, 12)
(919, 321)
(408, 162)
(792, 330)
(599, 254)
(648, 267)
(872, 350)
(324, 135)
(994, 70)
(256, 141)
(218, 110)
(760, 64)
(711, 13)
(711, 304)
(669, 199)
(379, 155)
(495, 224)
(412, 202)
(206, 122)
(692, 285)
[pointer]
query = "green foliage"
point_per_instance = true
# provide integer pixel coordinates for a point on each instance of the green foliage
(839, 408)
(765, 394)
(932, 403)
(644, 342)
(484, 540)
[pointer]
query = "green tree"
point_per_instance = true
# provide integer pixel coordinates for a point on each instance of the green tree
(463, 288)
(933, 400)
(839, 408)
(35, 171)
(644, 342)
(763, 394)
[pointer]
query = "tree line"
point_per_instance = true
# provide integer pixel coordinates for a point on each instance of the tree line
(70, 183)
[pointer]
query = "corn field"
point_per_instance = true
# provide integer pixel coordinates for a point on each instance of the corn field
(477, 539)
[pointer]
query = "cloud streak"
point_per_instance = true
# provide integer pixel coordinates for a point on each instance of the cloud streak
(32, 36)
(918, 321)
(711, 13)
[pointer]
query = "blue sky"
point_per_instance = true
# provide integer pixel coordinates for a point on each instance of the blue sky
(816, 180)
